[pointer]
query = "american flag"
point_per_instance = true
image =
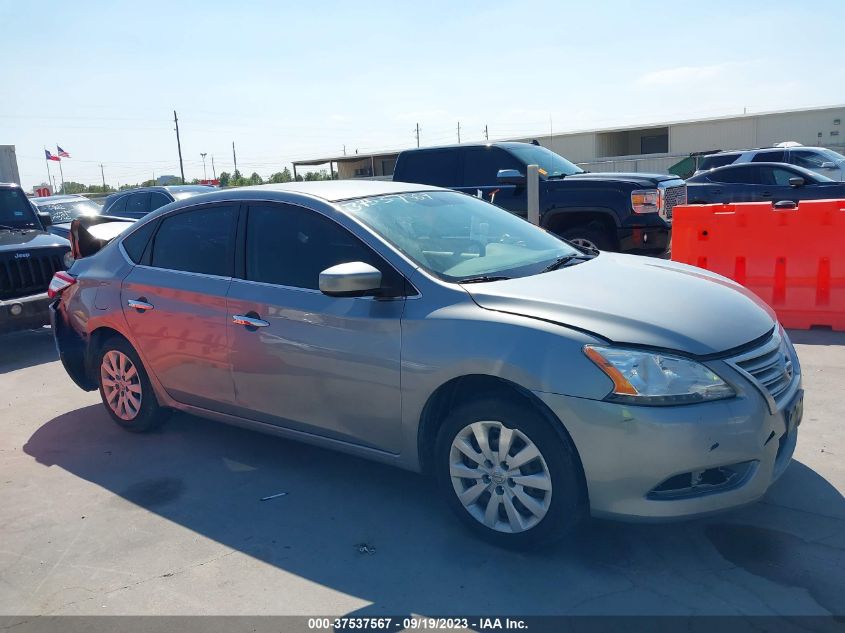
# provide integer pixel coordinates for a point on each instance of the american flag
(62, 152)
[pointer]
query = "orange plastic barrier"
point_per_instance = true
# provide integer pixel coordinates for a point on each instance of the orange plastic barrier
(794, 259)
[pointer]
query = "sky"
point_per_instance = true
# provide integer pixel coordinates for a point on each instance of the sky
(294, 80)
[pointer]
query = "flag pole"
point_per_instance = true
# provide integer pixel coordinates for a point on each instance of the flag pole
(49, 176)
(62, 175)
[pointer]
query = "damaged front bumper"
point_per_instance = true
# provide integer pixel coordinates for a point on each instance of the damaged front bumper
(651, 463)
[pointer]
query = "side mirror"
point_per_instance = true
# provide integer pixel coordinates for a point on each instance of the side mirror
(46, 220)
(510, 177)
(796, 181)
(352, 279)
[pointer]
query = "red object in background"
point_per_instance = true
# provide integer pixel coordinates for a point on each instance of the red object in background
(792, 258)
(214, 182)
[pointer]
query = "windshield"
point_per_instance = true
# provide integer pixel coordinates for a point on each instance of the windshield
(457, 237)
(553, 164)
(833, 156)
(67, 210)
(15, 210)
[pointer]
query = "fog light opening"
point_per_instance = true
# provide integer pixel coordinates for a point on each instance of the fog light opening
(16, 309)
(701, 482)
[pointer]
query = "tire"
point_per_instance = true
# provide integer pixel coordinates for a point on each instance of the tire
(125, 388)
(542, 516)
(589, 238)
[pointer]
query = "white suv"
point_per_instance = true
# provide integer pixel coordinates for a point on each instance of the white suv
(818, 159)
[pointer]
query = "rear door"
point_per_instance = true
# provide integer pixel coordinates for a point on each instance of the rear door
(175, 305)
(317, 364)
(738, 183)
(480, 166)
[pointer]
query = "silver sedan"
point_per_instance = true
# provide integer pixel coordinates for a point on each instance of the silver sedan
(538, 383)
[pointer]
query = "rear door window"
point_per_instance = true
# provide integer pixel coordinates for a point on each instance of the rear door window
(138, 205)
(717, 160)
(439, 168)
(198, 241)
(741, 174)
(769, 156)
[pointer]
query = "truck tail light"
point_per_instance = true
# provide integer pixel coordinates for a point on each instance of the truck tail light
(646, 200)
(60, 281)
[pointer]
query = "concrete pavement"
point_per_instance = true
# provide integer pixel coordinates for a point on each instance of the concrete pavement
(95, 520)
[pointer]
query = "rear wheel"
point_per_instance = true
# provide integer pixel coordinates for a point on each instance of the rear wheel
(509, 475)
(125, 387)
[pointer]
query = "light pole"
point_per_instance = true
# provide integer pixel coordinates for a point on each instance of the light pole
(204, 154)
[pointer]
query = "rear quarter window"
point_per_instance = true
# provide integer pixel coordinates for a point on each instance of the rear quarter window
(136, 242)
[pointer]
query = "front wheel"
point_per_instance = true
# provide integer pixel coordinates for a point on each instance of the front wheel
(125, 387)
(588, 238)
(508, 474)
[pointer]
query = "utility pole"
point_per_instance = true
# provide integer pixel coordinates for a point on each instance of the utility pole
(179, 146)
(344, 150)
(459, 132)
(486, 135)
(234, 156)
(213, 171)
(204, 174)
(418, 134)
(103, 174)
(550, 129)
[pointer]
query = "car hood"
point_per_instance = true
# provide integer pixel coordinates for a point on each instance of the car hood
(639, 179)
(22, 240)
(638, 301)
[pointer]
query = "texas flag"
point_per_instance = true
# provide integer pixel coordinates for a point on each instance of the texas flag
(50, 156)
(62, 152)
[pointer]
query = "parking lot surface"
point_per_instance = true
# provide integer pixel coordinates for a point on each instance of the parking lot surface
(95, 520)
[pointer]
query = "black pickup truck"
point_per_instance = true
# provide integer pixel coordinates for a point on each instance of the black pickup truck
(607, 211)
(29, 256)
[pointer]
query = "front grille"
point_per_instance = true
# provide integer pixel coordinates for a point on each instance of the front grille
(23, 276)
(770, 366)
(672, 197)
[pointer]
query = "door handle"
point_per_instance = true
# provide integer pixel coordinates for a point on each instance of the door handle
(248, 321)
(766, 194)
(140, 305)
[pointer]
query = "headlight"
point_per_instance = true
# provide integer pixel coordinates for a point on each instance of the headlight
(656, 379)
(646, 200)
(68, 260)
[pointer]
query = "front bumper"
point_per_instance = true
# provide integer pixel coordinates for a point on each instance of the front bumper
(32, 312)
(629, 451)
(645, 239)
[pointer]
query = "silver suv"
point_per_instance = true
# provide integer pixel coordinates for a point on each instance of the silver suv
(820, 160)
(433, 331)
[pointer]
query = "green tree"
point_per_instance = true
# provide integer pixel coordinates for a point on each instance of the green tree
(224, 178)
(281, 176)
(255, 179)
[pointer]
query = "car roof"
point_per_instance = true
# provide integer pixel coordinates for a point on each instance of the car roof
(62, 198)
(503, 144)
(787, 166)
(331, 190)
(170, 188)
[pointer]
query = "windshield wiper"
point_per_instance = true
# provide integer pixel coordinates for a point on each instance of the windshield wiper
(562, 261)
(6, 227)
(482, 278)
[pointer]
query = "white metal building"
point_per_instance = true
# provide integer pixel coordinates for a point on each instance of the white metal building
(649, 148)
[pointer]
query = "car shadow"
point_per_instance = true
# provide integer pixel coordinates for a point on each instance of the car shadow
(382, 534)
(28, 348)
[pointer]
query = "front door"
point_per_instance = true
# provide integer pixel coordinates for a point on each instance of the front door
(323, 365)
(480, 167)
(176, 306)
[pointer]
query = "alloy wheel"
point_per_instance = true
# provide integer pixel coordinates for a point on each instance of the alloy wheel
(500, 476)
(121, 384)
(584, 243)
